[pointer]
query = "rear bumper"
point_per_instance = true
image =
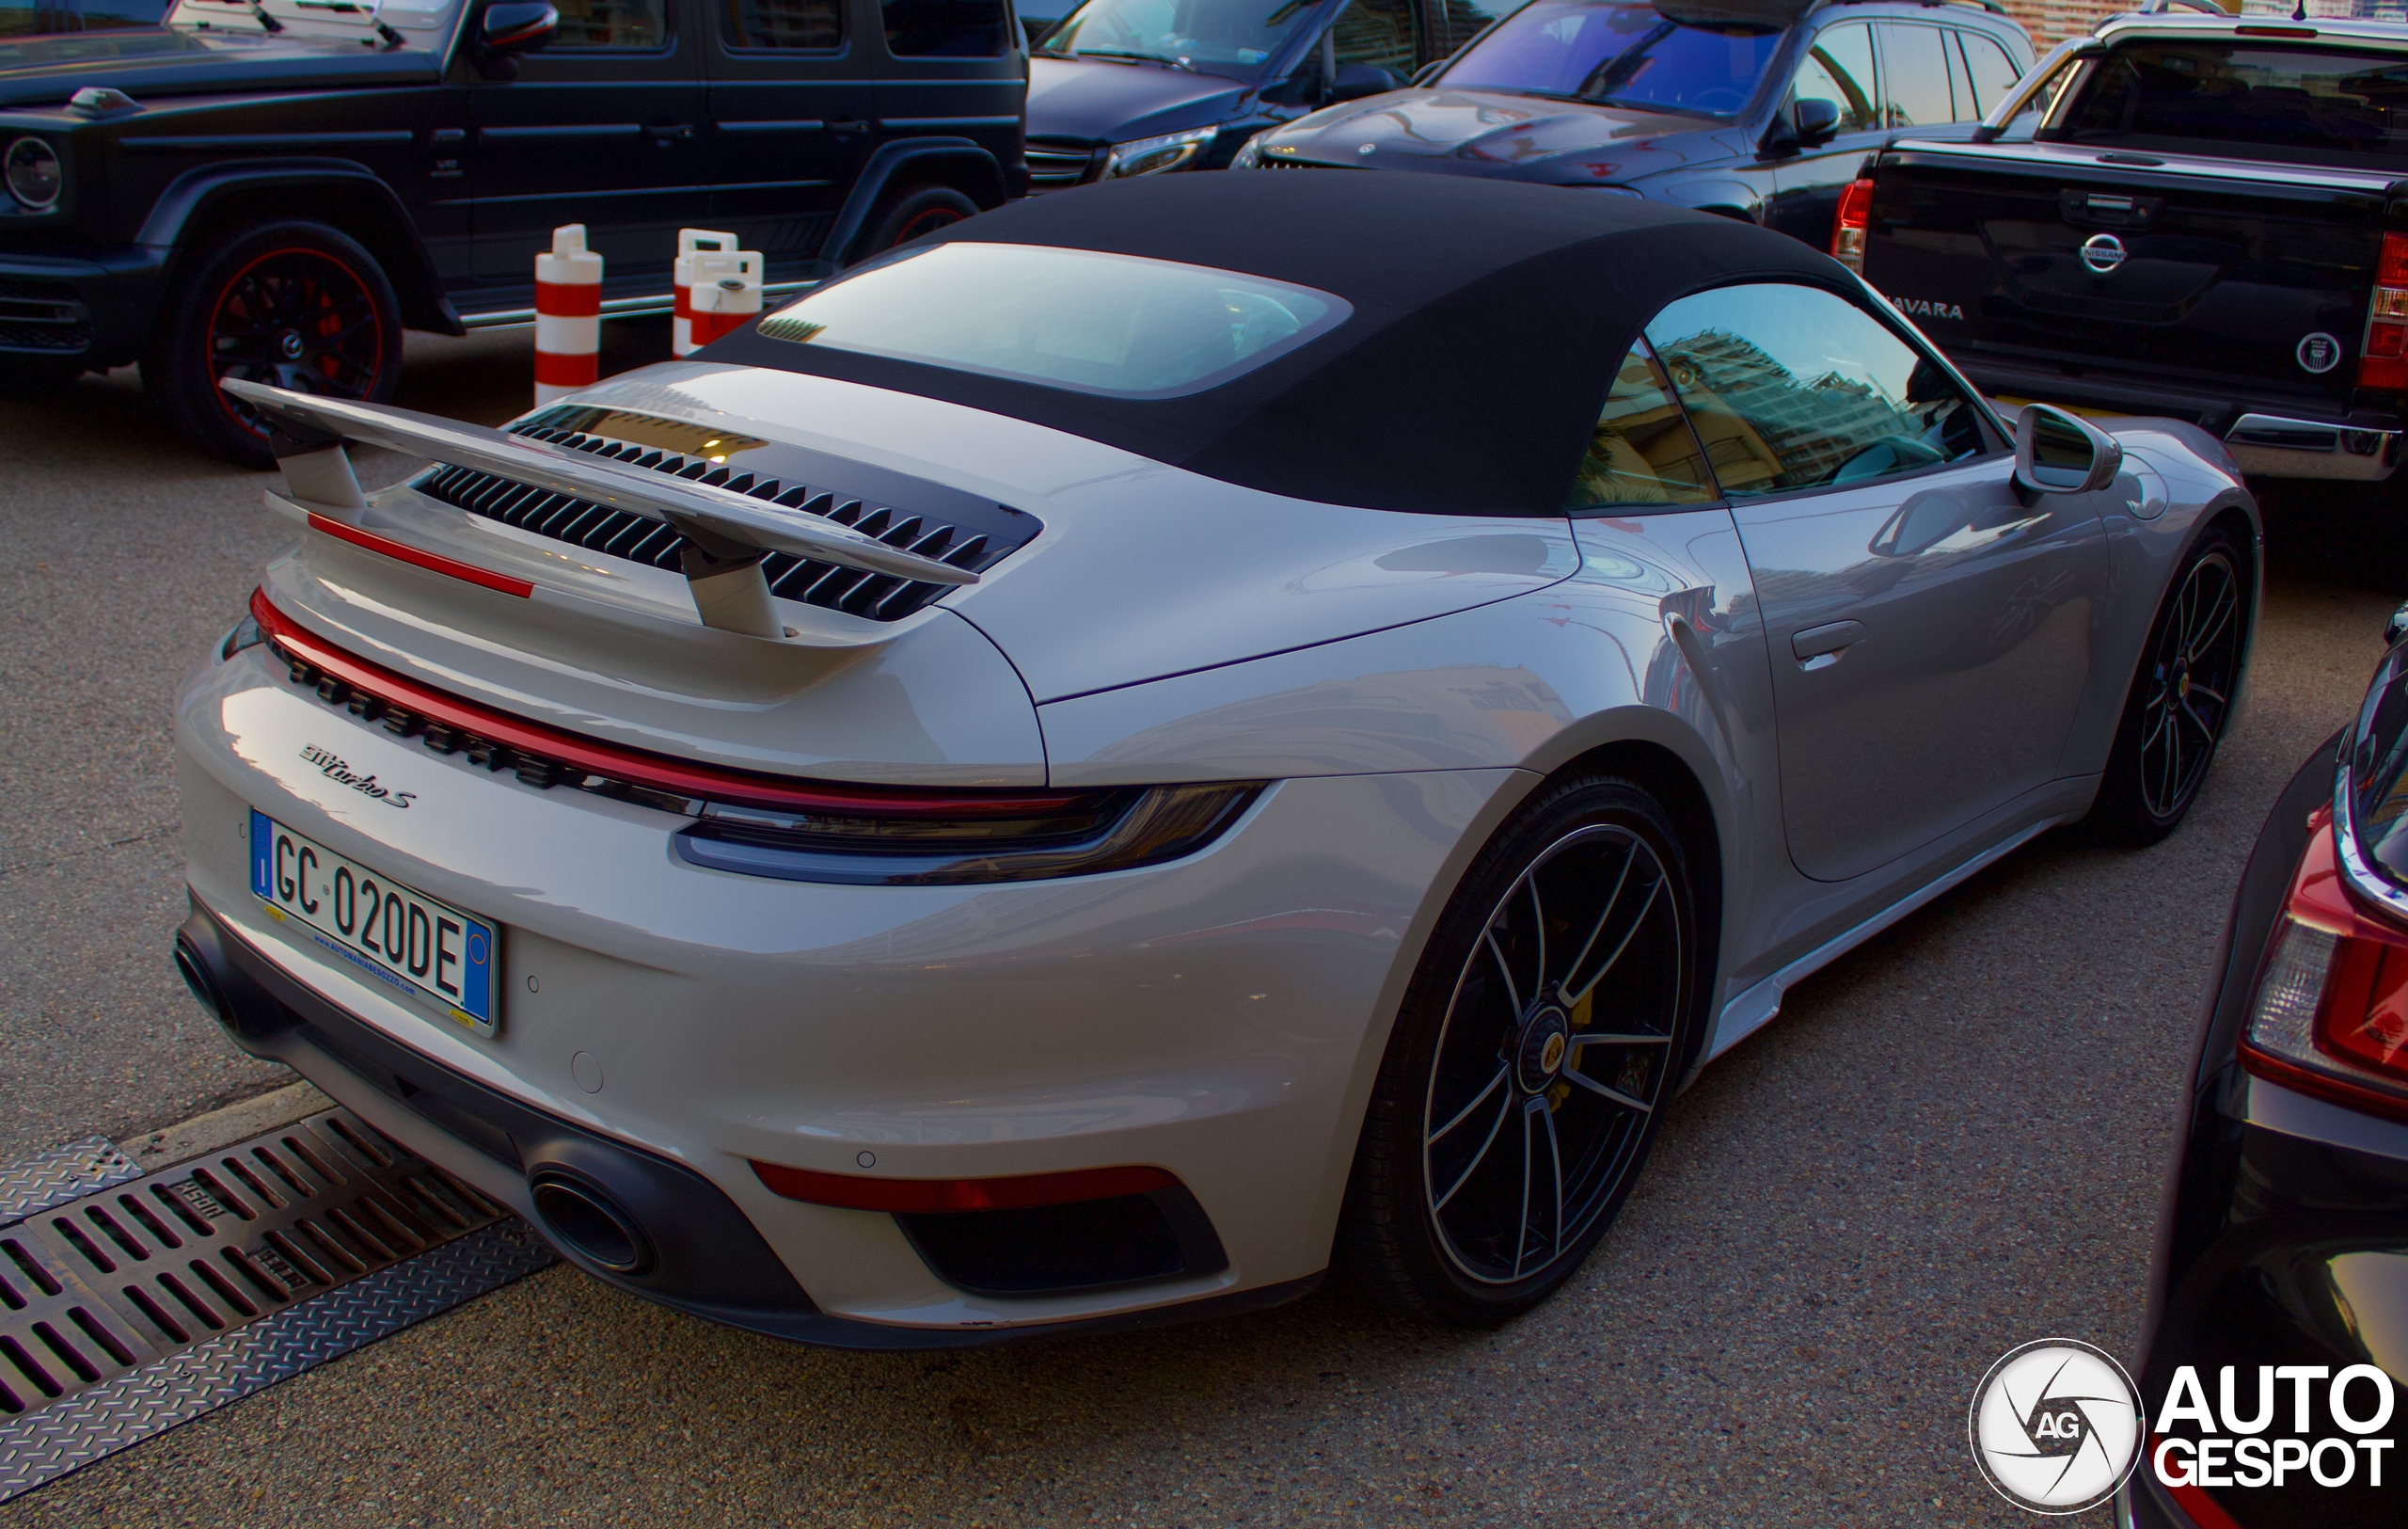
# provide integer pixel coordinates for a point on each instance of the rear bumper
(2284, 1240)
(707, 1259)
(2269, 436)
(94, 310)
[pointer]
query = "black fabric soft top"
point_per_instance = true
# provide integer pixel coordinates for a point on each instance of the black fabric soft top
(1489, 321)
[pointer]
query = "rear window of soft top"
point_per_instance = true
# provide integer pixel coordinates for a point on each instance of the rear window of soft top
(1123, 326)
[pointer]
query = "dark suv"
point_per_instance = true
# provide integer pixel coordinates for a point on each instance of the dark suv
(276, 189)
(1758, 109)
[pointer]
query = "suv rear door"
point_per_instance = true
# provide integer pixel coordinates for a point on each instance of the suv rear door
(953, 69)
(1837, 68)
(603, 128)
(789, 96)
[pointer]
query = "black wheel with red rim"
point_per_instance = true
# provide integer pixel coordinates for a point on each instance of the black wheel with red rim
(292, 304)
(910, 214)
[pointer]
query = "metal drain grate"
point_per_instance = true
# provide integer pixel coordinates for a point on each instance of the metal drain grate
(130, 1310)
(61, 1174)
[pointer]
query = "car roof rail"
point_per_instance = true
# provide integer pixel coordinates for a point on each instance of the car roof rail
(1991, 6)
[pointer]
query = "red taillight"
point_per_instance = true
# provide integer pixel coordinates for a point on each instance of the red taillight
(922, 1197)
(1847, 229)
(2330, 1016)
(2382, 359)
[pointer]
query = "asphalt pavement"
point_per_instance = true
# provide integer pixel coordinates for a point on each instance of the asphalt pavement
(1950, 1142)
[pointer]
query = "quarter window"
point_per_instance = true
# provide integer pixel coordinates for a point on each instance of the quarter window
(612, 24)
(947, 28)
(1839, 69)
(1797, 388)
(1642, 451)
(810, 24)
(1994, 72)
(1914, 75)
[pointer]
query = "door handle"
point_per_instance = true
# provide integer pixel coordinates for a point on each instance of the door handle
(847, 124)
(1819, 647)
(670, 133)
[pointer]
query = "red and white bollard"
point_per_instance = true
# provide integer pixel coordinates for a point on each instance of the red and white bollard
(569, 315)
(727, 294)
(691, 243)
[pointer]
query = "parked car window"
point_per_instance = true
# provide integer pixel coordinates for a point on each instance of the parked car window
(1994, 73)
(1622, 53)
(1460, 21)
(1914, 75)
(1798, 388)
(1839, 69)
(1122, 326)
(1211, 37)
(1377, 32)
(1642, 451)
(612, 24)
(784, 24)
(947, 28)
(2329, 100)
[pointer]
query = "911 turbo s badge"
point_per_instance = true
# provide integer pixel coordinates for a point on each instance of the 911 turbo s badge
(1923, 307)
(336, 768)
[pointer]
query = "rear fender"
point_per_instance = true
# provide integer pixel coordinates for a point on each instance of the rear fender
(955, 162)
(203, 204)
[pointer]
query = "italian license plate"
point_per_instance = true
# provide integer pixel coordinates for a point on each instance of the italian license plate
(408, 940)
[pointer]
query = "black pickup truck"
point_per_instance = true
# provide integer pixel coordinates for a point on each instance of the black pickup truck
(276, 189)
(2201, 216)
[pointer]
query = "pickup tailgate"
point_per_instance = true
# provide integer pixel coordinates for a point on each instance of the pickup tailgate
(2194, 269)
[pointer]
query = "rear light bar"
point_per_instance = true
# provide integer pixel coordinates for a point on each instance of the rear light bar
(785, 830)
(2382, 358)
(2330, 1017)
(1847, 229)
(925, 1197)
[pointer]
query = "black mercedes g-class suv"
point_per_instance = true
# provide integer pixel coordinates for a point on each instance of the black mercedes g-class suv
(276, 189)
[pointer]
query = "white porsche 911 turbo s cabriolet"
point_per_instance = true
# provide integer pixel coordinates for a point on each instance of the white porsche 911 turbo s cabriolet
(1167, 739)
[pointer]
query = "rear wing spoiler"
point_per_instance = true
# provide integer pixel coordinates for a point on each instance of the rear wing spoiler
(727, 534)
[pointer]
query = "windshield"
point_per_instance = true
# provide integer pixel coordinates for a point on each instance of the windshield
(1218, 37)
(1663, 57)
(2254, 100)
(1118, 324)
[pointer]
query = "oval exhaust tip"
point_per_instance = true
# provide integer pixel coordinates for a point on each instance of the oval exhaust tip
(590, 1224)
(195, 972)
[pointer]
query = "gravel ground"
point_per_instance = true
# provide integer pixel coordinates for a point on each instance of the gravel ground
(1951, 1143)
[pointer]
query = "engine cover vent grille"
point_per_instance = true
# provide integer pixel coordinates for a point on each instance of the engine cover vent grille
(617, 533)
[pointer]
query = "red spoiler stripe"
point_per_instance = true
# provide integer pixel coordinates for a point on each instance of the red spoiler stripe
(432, 561)
(658, 772)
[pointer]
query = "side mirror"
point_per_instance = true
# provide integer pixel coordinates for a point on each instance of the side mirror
(509, 28)
(2057, 453)
(1817, 121)
(1356, 81)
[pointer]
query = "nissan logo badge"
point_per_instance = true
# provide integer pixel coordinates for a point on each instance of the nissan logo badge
(2103, 252)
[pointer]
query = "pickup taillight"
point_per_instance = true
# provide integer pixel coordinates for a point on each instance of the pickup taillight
(2383, 360)
(1856, 213)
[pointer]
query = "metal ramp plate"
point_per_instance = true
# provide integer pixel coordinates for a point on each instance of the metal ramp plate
(163, 1296)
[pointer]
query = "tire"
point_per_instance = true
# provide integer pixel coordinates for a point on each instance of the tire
(1447, 1228)
(908, 213)
(2181, 698)
(331, 327)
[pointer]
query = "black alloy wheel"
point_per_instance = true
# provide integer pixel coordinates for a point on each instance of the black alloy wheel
(1531, 1062)
(2180, 697)
(293, 305)
(910, 213)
